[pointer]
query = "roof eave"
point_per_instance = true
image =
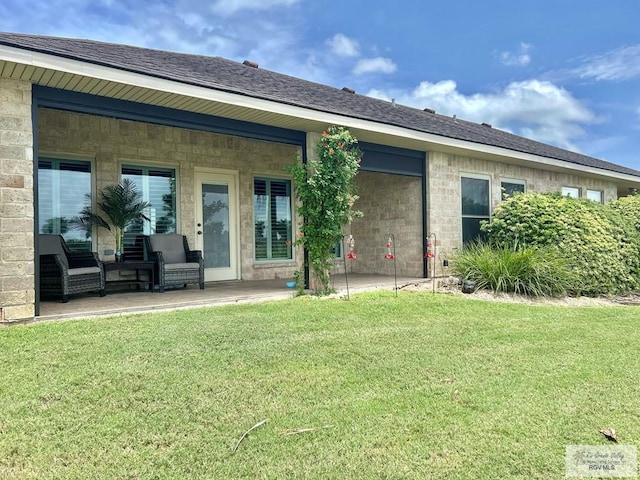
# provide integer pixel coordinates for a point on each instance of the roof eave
(318, 118)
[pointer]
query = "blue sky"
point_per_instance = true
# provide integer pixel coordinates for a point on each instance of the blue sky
(564, 72)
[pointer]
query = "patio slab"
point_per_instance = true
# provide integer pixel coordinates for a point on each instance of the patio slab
(215, 293)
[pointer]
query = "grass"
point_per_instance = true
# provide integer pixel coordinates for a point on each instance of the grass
(418, 386)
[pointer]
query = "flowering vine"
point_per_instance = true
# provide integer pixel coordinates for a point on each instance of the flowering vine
(325, 188)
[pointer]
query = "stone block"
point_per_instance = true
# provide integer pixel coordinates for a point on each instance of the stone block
(18, 313)
(12, 181)
(13, 283)
(16, 138)
(12, 156)
(16, 195)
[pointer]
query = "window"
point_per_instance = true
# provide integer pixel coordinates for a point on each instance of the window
(595, 195)
(573, 192)
(510, 187)
(158, 187)
(272, 219)
(475, 207)
(64, 188)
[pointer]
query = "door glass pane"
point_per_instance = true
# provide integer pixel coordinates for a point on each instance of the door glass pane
(215, 231)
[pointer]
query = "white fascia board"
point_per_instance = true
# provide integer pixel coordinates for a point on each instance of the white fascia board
(78, 67)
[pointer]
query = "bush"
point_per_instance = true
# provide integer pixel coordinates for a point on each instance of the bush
(629, 207)
(600, 246)
(527, 271)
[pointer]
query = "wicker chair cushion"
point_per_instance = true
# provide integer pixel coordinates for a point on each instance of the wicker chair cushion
(83, 271)
(171, 245)
(182, 266)
(52, 245)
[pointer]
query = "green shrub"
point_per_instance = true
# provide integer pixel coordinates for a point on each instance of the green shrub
(629, 208)
(600, 246)
(528, 271)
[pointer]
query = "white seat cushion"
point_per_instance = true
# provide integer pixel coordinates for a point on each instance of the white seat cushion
(181, 266)
(83, 271)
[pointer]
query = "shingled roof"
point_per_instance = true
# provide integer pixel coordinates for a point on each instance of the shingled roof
(221, 74)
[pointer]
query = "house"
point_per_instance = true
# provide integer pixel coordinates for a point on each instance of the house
(206, 140)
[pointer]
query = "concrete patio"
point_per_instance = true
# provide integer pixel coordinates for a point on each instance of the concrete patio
(122, 302)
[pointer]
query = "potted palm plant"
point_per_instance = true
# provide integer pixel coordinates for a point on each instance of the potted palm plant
(121, 205)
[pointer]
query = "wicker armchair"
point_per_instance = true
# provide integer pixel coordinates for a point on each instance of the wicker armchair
(65, 273)
(176, 264)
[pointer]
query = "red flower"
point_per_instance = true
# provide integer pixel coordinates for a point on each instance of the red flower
(389, 256)
(351, 256)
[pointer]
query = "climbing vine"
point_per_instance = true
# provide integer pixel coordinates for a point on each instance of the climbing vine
(325, 188)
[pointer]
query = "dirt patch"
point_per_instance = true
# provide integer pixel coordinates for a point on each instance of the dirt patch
(453, 289)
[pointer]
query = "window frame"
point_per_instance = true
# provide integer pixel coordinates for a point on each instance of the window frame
(267, 177)
(145, 166)
(513, 181)
(70, 158)
(600, 193)
(566, 188)
(474, 176)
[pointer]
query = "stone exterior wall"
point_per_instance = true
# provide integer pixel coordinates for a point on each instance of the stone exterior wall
(445, 204)
(390, 204)
(110, 142)
(17, 294)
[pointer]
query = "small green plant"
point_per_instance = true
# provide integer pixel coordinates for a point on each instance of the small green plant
(325, 189)
(528, 271)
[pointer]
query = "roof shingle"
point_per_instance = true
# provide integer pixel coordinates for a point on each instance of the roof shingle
(230, 76)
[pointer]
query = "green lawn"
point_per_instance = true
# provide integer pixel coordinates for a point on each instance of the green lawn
(418, 386)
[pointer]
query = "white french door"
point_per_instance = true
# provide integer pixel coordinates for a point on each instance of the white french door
(217, 224)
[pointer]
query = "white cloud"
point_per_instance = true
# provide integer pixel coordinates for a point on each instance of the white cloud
(229, 7)
(518, 59)
(374, 65)
(343, 46)
(617, 65)
(535, 109)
